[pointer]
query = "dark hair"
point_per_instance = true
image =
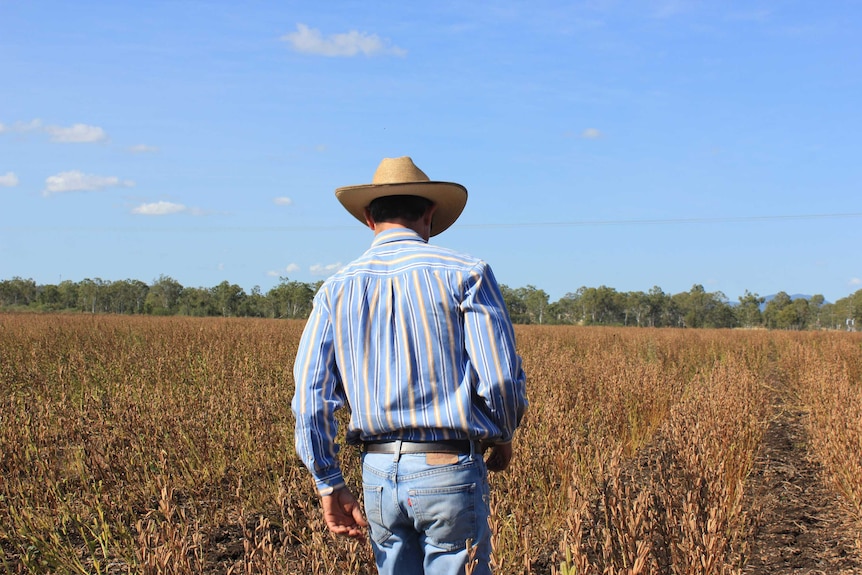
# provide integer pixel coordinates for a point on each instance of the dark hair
(388, 208)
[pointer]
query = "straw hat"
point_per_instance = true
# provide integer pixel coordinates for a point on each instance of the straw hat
(400, 176)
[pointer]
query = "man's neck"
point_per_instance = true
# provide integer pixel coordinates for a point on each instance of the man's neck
(401, 224)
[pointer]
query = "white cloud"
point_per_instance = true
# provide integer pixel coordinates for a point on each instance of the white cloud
(325, 269)
(143, 149)
(76, 134)
(856, 281)
(282, 201)
(310, 41)
(591, 134)
(21, 127)
(75, 181)
(159, 209)
(291, 268)
(10, 180)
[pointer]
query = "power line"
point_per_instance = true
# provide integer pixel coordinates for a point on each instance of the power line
(335, 227)
(665, 221)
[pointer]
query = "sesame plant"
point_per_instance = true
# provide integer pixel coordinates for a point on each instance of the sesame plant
(165, 446)
(829, 385)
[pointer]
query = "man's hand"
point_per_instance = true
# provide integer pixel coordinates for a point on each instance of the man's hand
(343, 515)
(501, 455)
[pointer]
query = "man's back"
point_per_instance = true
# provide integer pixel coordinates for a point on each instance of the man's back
(418, 332)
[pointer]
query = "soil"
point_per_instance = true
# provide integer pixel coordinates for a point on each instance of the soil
(801, 524)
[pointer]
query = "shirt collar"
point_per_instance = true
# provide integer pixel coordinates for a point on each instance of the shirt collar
(396, 235)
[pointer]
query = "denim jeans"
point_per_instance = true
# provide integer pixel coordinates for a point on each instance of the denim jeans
(422, 509)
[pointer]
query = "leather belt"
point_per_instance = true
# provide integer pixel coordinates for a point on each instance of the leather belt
(461, 446)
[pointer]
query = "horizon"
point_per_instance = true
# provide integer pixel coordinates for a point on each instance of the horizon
(248, 290)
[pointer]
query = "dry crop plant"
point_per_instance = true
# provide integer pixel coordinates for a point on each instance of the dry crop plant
(165, 446)
(829, 385)
(699, 470)
(153, 445)
(583, 407)
(634, 453)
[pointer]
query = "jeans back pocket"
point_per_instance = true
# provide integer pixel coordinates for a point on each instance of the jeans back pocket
(447, 515)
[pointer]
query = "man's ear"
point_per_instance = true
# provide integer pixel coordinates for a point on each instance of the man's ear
(368, 219)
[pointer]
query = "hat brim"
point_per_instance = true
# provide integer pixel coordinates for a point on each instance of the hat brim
(450, 199)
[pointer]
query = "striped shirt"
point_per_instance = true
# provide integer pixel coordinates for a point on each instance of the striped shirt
(417, 340)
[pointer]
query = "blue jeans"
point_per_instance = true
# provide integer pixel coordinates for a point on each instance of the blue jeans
(422, 509)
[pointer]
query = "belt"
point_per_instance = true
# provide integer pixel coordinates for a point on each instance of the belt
(462, 446)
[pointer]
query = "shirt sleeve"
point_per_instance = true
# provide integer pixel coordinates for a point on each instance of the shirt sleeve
(318, 395)
(490, 343)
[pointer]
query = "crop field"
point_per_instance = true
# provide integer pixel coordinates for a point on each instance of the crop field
(165, 446)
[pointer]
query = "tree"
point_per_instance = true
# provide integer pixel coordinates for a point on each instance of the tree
(721, 314)
(856, 310)
(658, 304)
(50, 298)
(255, 304)
(197, 302)
(68, 294)
(696, 305)
(784, 312)
(848, 312)
(601, 305)
(228, 298)
(535, 302)
(515, 304)
(748, 312)
(93, 295)
(163, 296)
(291, 299)
(699, 308)
(830, 316)
(18, 291)
(815, 309)
(126, 296)
(773, 315)
(800, 315)
(646, 308)
(564, 310)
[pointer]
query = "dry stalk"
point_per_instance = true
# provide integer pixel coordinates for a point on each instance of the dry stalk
(631, 459)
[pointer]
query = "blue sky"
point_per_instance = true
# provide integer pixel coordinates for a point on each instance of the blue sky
(628, 144)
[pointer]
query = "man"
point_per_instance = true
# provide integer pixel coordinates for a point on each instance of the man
(417, 340)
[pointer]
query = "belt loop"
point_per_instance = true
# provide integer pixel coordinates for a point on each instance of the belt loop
(472, 449)
(397, 450)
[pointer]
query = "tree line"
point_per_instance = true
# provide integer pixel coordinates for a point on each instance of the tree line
(603, 305)
(165, 296)
(694, 308)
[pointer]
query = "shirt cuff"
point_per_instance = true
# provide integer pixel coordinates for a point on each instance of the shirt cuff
(327, 485)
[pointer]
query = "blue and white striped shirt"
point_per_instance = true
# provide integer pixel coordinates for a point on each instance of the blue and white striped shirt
(417, 340)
